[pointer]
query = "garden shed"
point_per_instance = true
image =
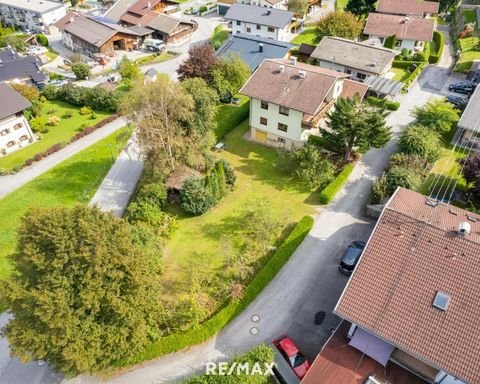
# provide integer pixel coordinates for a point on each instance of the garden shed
(176, 180)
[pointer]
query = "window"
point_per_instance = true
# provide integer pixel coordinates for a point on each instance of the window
(263, 120)
(283, 111)
(239, 22)
(361, 76)
(259, 27)
(271, 29)
(10, 144)
(23, 138)
(249, 29)
(441, 300)
(348, 71)
(281, 140)
(282, 127)
(4, 132)
(398, 43)
(264, 105)
(18, 126)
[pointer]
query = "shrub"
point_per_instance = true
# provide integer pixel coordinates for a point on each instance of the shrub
(382, 103)
(28, 162)
(202, 9)
(38, 124)
(50, 92)
(177, 341)
(53, 121)
(398, 176)
(43, 99)
(230, 177)
(421, 141)
(331, 190)
(95, 98)
(27, 91)
(439, 40)
(390, 42)
(155, 193)
(149, 213)
(42, 39)
(81, 70)
(51, 111)
(195, 197)
(85, 111)
(392, 105)
(379, 190)
(68, 114)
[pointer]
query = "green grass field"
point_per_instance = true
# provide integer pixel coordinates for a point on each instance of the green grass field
(71, 182)
(61, 133)
(257, 179)
(470, 16)
(308, 36)
(469, 53)
(154, 58)
(340, 5)
(400, 74)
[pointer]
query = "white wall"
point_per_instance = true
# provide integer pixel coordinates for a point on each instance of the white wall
(53, 16)
(14, 134)
(408, 44)
(28, 19)
(251, 29)
(341, 68)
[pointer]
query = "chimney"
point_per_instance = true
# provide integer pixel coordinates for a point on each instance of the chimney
(149, 4)
(302, 74)
(71, 19)
(293, 60)
(406, 19)
(281, 68)
(260, 47)
(269, 12)
(464, 229)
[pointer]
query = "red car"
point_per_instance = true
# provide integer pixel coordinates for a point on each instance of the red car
(290, 352)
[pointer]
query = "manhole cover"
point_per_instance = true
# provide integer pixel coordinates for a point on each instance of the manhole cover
(254, 331)
(255, 318)
(319, 317)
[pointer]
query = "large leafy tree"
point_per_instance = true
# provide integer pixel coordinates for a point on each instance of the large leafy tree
(436, 114)
(85, 292)
(298, 7)
(355, 125)
(229, 75)
(361, 8)
(128, 69)
(199, 63)
(80, 70)
(421, 141)
(340, 24)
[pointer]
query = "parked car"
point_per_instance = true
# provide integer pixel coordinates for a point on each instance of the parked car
(462, 87)
(351, 256)
(457, 101)
(294, 357)
(58, 82)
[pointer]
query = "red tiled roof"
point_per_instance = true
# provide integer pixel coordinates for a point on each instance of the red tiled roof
(404, 28)
(287, 88)
(141, 7)
(142, 21)
(354, 88)
(414, 252)
(407, 7)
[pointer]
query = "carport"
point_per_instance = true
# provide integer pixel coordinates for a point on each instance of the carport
(383, 86)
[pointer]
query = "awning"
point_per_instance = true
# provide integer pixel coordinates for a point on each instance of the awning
(372, 346)
(384, 86)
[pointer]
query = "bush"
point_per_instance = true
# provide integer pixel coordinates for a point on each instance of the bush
(95, 98)
(53, 121)
(38, 124)
(202, 9)
(93, 116)
(68, 114)
(85, 111)
(439, 40)
(331, 190)
(398, 176)
(81, 70)
(196, 198)
(421, 141)
(155, 193)
(382, 103)
(42, 39)
(177, 341)
(404, 64)
(379, 190)
(410, 79)
(390, 42)
(143, 211)
(392, 105)
(230, 177)
(50, 92)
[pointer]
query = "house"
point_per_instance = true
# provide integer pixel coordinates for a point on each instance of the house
(354, 58)
(90, 36)
(150, 76)
(224, 5)
(170, 29)
(468, 131)
(289, 99)
(416, 8)
(412, 299)
(254, 50)
(269, 23)
(411, 32)
(305, 51)
(15, 132)
(21, 69)
(35, 15)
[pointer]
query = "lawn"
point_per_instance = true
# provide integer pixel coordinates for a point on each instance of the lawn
(61, 133)
(340, 5)
(199, 237)
(470, 16)
(73, 181)
(469, 53)
(155, 58)
(230, 115)
(400, 74)
(308, 36)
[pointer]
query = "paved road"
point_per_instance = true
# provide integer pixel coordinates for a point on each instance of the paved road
(309, 282)
(10, 183)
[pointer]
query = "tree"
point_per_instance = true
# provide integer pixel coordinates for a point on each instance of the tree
(81, 70)
(340, 24)
(128, 69)
(361, 8)
(229, 75)
(147, 212)
(160, 110)
(196, 197)
(199, 63)
(42, 39)
(471, 172)
(30, 93)
(85, 293)
(436, 114)
(421, 141)
(298, 7)
(355, 125)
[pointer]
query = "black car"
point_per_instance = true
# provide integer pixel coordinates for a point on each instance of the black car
(457, 101)
(462, 87)
(350, 257)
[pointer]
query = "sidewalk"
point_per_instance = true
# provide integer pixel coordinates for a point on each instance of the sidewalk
(10, 183)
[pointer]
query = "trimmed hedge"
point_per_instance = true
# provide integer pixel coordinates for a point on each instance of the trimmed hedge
(177, 341)
(404, 64)
(409, 80)
(390, 42)
(330, 191)
(439, 40)
(376, 101)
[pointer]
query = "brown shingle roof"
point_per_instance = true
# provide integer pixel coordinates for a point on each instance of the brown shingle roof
(142, 21)
(403, 28)
(354, 88)
(287, 88)
(414, 252)
(164, 23)
(142, 7)
(407, 7)
(12, 101)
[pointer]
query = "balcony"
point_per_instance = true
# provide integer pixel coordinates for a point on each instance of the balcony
(312, 121)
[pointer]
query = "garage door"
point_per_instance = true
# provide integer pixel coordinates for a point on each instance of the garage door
(261, 136)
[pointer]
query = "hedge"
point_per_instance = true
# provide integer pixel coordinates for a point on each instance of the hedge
(330, 191)
(439, 40)
(404, 64)
(390, 42)
(409, 80)
(376, 101)
(196, 335)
